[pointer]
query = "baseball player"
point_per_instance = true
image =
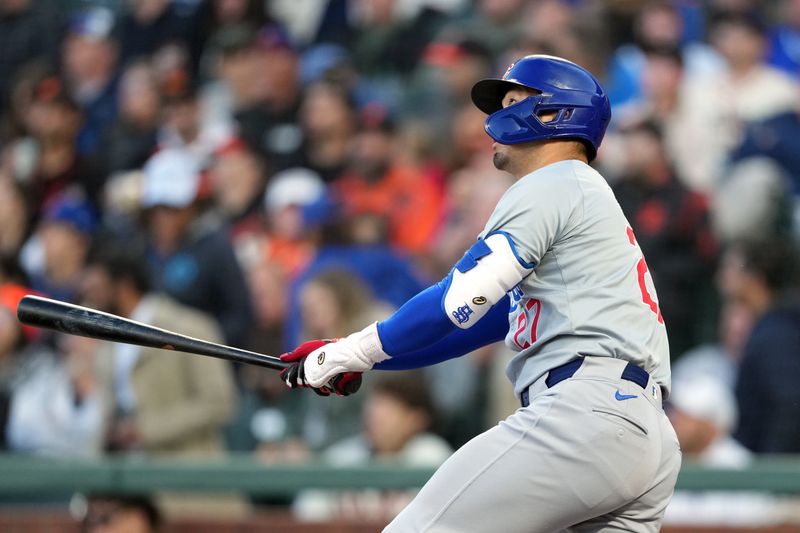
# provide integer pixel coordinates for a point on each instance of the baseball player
(556, 273)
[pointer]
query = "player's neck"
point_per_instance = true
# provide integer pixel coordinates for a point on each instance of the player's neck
(545, 155)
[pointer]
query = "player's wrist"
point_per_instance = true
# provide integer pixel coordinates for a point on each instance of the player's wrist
(366, 345)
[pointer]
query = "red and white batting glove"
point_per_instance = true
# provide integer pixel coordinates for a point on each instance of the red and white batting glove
(342, 384)
(327, 366)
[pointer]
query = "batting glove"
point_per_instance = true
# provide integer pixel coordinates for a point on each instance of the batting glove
(294, 375)
(357, 352)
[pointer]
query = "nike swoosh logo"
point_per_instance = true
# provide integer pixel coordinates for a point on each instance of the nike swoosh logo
(621, 397)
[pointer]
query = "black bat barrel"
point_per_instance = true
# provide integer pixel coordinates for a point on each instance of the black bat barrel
(77, 320)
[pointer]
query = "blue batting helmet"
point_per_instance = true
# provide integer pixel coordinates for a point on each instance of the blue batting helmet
(581, 105)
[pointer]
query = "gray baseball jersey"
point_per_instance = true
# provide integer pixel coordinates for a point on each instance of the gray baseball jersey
(590, 293)
(594, 452)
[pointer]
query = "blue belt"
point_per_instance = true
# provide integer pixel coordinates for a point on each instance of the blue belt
(558, 374)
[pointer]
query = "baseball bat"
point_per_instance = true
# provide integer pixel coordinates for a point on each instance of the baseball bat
(86, 322)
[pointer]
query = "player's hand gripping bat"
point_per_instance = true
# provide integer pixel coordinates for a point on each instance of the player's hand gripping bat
(77, 320)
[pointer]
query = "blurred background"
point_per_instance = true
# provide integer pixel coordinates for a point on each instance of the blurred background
(264, 172)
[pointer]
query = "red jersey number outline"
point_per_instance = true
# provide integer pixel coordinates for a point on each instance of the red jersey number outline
(522, 323)
(642, 270)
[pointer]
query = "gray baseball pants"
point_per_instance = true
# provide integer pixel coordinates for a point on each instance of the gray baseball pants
(591, 453)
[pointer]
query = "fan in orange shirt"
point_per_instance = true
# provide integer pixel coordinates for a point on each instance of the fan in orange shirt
(376, 182)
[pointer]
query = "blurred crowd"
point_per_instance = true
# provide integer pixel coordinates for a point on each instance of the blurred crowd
(263, 172)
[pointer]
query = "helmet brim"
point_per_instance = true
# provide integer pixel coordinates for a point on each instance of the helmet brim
(488, 94)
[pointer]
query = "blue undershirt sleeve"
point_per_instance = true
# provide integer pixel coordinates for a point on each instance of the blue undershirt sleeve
(421, 334)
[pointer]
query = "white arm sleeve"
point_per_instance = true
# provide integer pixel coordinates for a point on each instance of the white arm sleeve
(479, 284)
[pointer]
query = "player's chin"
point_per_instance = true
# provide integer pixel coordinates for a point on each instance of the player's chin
(500, 160)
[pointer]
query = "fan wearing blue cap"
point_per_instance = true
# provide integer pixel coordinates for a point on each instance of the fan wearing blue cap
(558, 275)
(64, 235)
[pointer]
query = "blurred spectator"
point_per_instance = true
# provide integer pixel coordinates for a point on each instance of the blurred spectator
(377, 183)
(333, 63)
(716, 107)
(216, 18)
(472, 192)
(238, 180)
(784, 49)
(672, 228)
(550, 21)
(328, 118)
(768, 210)
(161, 403)
(56, 407)
(719, 360)
(268, 418)
(658, 25)
(158, 403)
(49, 404)
(760, 275)
(576, 31)
(239, 84)
(149, 25)
(703, 412)
(468, 140)
(291, 427)
(131, 140)
(397, 416)
(269, 289)
(663, 82)
(497, 24)
(739, 37)
(189, 252)
(15, 117)
(14, 339)
(462, 62)
(326, 21)
(662, 78)
(89, 61)
(14, 218)
(441, 86)
(330, 303)
(46, 162)
(295, 204)
(183, 127)
(57, 252)
(116, 513)
(334, 302)
(778, 138)
(25, 34)
(270, 126)
(388, 40)
(383, 270)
